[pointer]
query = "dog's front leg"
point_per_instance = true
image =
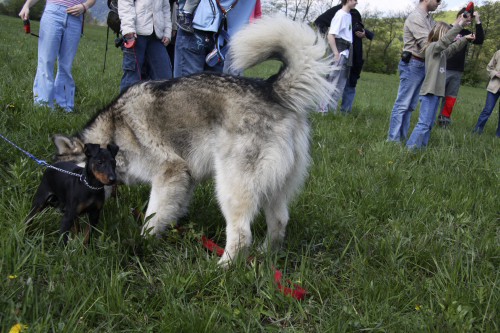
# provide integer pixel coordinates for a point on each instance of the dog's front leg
(169, 198)
(93, 215)
(66, 223)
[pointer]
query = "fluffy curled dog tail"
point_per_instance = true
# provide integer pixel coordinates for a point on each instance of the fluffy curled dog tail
(301, 83)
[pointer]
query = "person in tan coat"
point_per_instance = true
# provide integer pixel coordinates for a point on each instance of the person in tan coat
(493, 92)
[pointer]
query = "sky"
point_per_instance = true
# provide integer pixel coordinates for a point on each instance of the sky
(401, 5)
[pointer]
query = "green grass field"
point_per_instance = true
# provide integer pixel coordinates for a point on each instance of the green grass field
(382, 239)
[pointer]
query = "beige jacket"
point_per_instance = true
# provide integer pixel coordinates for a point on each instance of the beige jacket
(141, 16)
(493, 69)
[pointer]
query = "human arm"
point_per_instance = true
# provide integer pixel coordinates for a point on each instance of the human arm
(24, 14)
(459, 43)
(81, 8)
(446, 41)
(369, 34)
(128, 17)
(167, 20)
(365, 33)
(479, 30)
(333, 46)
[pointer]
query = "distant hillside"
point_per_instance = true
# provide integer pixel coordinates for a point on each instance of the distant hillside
(100, 11)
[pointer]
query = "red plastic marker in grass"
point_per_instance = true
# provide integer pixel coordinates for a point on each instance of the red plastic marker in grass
(296, 292)
(212, 246)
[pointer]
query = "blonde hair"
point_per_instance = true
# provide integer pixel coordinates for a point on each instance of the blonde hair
(439, 30)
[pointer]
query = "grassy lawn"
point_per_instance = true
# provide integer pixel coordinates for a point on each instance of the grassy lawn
(383, 239)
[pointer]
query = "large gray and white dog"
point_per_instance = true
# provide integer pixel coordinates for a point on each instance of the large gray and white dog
(252, 135)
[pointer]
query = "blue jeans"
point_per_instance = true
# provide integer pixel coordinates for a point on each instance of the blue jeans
(191, 50)
(148, 56)
(338, 78)
(348, 98)
(421, 134)
(59, 37)
(411, 77)
(491, 100)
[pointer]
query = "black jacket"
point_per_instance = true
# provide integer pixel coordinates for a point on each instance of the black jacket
(457, 61)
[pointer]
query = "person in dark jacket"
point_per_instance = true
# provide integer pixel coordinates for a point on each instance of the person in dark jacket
(359, 32)
(454, 71)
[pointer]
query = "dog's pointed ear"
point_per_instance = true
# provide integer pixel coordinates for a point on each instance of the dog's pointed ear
(91, 149)
(113, 149)
(66, 145)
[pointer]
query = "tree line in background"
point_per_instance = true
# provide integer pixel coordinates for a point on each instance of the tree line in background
(383, 53)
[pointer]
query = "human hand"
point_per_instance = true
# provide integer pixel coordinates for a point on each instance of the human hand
(465, 20)
(165, 41)
(336, 56)
(24, 14)
(360, 34)
(77, 10)
(130, 35)
(470, 37)
(477, 17)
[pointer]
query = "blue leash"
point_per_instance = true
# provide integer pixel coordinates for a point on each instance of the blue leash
(39, 162)
(47, 165)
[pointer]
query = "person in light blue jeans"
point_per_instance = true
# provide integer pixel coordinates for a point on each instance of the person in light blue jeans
(442, 44)
(60, 32)
(411, 77)
(411, 68)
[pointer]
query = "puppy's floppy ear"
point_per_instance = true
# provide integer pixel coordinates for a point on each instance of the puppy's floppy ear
(66, 145)
(91, 149)
(113, 149)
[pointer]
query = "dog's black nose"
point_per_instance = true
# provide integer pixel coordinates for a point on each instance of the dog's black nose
(112, 179)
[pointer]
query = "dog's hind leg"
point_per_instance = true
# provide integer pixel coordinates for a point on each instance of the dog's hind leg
(276, 212)
(40, 202)
(239, 204)
(171, 192)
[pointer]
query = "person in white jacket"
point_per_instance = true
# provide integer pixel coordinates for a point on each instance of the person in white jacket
(146, 27)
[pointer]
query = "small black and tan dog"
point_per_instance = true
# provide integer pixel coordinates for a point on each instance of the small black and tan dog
(80, 192)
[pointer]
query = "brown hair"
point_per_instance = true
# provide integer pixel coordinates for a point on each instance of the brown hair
(460, 12)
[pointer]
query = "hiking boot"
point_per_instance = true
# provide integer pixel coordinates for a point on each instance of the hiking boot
(443, 121)
(185, 22)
